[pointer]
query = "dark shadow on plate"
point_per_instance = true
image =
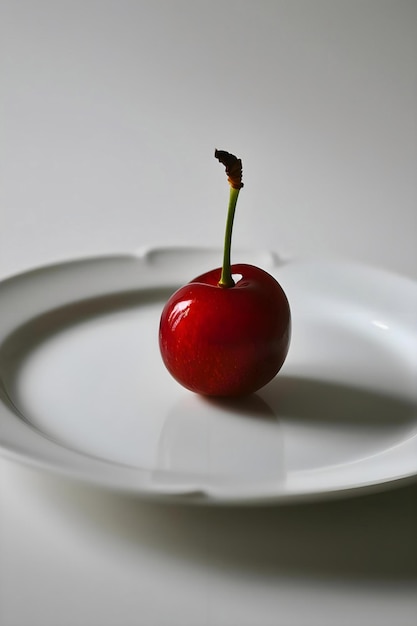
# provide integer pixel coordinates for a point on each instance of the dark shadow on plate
(334, 404)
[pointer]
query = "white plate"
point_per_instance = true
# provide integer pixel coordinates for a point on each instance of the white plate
(83, 390)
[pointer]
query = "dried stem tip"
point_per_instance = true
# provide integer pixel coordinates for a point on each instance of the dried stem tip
(233, 167)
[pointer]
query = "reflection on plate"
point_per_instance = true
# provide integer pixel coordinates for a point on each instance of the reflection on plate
(83, 390)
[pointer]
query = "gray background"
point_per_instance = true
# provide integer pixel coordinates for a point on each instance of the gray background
(110, 113)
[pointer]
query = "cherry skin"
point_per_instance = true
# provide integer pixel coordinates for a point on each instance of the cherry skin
(220, 341)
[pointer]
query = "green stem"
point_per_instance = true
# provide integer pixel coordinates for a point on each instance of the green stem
(226, 279)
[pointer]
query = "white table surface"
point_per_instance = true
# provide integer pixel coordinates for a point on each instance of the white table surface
(110, 113)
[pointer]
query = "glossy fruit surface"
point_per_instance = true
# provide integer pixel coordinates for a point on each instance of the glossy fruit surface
(226, 341)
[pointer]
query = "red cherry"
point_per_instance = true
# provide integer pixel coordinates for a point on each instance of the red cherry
(219, 337)
(226, 341)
